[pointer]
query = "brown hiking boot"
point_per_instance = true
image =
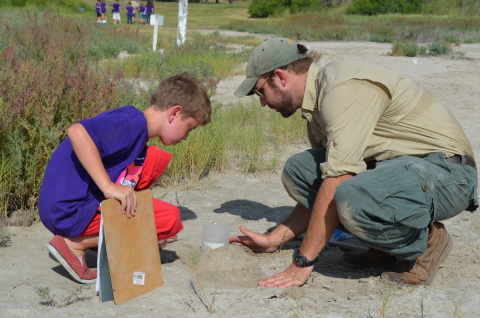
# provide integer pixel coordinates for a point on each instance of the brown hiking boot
(422, 270)
(368, 259)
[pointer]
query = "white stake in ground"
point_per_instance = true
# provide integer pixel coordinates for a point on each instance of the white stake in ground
(182, 21)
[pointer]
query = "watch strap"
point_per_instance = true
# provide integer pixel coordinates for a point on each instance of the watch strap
(302, 261)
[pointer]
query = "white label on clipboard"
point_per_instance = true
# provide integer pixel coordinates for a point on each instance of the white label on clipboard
(138, 278)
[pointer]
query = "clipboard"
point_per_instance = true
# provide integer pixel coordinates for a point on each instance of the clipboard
(129, 262)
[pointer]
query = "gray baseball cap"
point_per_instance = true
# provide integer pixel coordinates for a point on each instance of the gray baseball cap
(268, 56)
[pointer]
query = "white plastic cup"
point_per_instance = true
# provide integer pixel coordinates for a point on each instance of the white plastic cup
(215, 235)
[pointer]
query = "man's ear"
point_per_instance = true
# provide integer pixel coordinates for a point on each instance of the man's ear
(282, 76)
(174, 112)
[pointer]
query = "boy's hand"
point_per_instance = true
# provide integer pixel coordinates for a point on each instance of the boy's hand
(125, 195)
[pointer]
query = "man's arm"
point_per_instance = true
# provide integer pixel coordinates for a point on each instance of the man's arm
(89, 156)
(295, 224)
(323, 221)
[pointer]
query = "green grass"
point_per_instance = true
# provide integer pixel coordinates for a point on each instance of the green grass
(336, 25)
(206, 56)
(244, 137)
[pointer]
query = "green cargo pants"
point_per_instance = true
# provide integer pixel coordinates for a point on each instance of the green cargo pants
(389, 206)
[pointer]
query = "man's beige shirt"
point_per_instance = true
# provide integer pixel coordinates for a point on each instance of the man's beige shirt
(361, 112)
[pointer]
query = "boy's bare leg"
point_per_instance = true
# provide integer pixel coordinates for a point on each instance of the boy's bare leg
(78, 245)
(163, 243)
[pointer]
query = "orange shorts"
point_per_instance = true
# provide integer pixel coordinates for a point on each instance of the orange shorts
(167, 216)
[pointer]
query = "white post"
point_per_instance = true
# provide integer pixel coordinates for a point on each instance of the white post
(182, 21)
(155, 35)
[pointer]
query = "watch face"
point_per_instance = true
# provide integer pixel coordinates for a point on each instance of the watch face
(300, 261)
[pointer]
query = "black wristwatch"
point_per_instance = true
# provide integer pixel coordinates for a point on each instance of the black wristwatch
(302, 261)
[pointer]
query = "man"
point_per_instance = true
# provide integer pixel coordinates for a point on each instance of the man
(388, 162)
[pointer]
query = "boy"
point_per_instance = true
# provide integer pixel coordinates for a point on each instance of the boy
(130, 13)
(98, 11)
(116, 12)
(141, 9)
(106, 157)
(103, 9)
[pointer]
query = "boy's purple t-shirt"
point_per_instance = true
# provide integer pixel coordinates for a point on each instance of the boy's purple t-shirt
(97, 7)
(129, 11)
(116, 7)
(69, 197)
(141, 9)
(103, 7)
(149, 9)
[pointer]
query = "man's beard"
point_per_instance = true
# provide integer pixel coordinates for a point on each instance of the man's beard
(286, 107)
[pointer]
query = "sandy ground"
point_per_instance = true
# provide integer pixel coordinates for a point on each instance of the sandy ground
(230, 274)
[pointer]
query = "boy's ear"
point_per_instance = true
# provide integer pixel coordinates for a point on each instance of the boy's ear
(173, 112)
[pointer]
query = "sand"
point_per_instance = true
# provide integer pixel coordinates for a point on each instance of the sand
(258, 201)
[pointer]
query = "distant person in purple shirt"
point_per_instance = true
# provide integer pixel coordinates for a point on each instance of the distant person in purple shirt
(150, 9)
(129, 9)
(98, 11)
(116, 12)
(103, 10)
(141, 9)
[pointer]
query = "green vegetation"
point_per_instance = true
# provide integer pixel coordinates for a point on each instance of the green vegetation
(48, 80)
(203, 56)
(197, 284)
(241, 136)
(268, 8)
(410, 48)
(372, 7)
(335, 25)
(57, 67)
(405, 48)
(59, 76)
(5, 239)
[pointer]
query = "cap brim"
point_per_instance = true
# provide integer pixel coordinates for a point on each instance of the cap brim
(246, 87)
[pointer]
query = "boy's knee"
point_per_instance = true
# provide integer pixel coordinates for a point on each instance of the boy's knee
(167, 219)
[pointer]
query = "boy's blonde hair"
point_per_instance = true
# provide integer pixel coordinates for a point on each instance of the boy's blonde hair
(187, 91)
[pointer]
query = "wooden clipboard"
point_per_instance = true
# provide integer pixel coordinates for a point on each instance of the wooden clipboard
(132, 248)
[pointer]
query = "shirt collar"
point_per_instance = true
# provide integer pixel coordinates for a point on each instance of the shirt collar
(310, 95)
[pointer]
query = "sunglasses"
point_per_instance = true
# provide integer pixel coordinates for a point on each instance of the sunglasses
(259, 91)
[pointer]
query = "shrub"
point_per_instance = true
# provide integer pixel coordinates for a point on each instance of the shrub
(439, 48)
(373, 7)
(382, 34)
(452, 39)
(46, 84)
(404, 48)
(266, 8)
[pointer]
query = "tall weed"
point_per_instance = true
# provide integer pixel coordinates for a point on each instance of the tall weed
(46, 84)
(206, 57)
(243, 137)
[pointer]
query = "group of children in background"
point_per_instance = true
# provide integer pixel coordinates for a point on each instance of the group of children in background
(145, 12)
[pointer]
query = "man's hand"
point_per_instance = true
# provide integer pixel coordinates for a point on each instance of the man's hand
(292, 276)
(125, 195)
(258, 243)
